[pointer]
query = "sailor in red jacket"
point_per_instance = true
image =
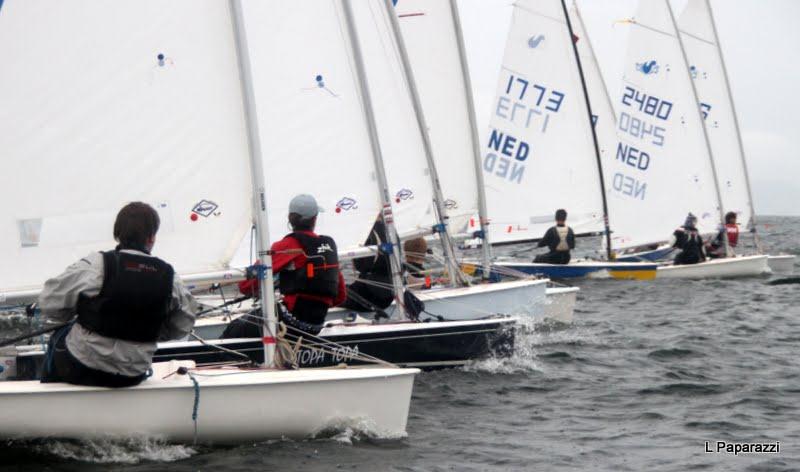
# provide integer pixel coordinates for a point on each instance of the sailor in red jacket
(307, 265)
(716, 248)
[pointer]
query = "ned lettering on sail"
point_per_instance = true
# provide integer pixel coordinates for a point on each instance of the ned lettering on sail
(508, 148)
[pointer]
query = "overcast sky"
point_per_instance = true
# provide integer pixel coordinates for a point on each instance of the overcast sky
(760, 42)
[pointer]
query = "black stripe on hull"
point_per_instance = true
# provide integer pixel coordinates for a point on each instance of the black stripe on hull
(428, 347)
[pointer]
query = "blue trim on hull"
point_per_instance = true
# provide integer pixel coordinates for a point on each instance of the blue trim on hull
(647, 256)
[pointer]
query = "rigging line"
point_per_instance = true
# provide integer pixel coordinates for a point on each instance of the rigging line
(220, 348)
(319, 342)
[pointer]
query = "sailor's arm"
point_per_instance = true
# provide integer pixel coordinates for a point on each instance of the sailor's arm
(59, 296)
(182, 309)
(545, 241)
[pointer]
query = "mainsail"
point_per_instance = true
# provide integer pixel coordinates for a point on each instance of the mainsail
(430, 36)
(539, 153)
(107, 103)
(312, 124)
(660, 169)
(707, 68)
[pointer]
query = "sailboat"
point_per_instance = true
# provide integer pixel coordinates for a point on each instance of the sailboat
(707, 67)
(359, 160)
(661, 146)
(540, 152)
(167, 92)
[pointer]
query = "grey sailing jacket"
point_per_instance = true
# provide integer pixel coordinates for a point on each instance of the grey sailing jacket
(59, 298)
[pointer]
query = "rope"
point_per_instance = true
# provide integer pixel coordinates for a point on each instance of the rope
(196, 404)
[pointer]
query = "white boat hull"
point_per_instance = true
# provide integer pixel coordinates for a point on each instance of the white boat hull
(744, 266)
(560, 304)
(519, 297)
(782, 264)
(235, 405)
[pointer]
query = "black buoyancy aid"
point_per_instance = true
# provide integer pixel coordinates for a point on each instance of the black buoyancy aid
(320, 275)
(134, 302)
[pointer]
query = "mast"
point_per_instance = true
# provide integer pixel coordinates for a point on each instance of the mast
(486, 246)
(609, 253)
(377, 155)
(266, 290)
(703, 121)
(752, 221)
(456, 276)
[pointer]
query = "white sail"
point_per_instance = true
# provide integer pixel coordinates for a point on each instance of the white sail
(707, 69)
(661, 168)
(104, 103)
(433, 48)
(400, 137)
(539, 154)
(602, 111)
(312, 125)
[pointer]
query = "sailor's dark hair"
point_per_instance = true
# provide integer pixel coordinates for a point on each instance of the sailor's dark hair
(730, 216)
(136, 223)
(298, 223)
(561, 214)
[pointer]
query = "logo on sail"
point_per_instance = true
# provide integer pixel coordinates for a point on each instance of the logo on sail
(346, 204)
(204, 208)
(450, 204)
(534, 41)
(404, 194)
(647, 68)
(697, 73)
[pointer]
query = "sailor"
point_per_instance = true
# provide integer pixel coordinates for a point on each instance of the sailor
(716, 248)
(373, 287)
(415, 252)
(125, 299)
(688, 240)
(559, 239)
(307, 265)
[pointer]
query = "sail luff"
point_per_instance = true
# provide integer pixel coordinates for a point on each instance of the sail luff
(266, 291)
(601, 179)
(486, 246)
(377, 155)
(456, 277)
(703, 122)
(752, 222)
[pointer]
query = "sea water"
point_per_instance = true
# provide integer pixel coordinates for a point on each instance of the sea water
(649, 377)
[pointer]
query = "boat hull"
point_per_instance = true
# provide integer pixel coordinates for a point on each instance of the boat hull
(615, 270)
(267, 405)
(433, 345)
(519, 297)
(782, 264)
(560, 305)
(744, 266)
(653, 255)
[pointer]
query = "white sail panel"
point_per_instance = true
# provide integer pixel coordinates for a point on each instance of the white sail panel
(400, 139)
(104, 103)
(660, 170)
(311, 123)
(432, 43)
(539, 153)
(602, 111)
(706, 66)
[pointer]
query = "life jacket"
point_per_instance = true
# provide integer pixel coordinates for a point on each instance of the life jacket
(134, 301)
(320, 275)
(732, 230)
(563, 245)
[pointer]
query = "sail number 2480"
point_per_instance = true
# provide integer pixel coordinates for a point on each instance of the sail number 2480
(650, 105)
